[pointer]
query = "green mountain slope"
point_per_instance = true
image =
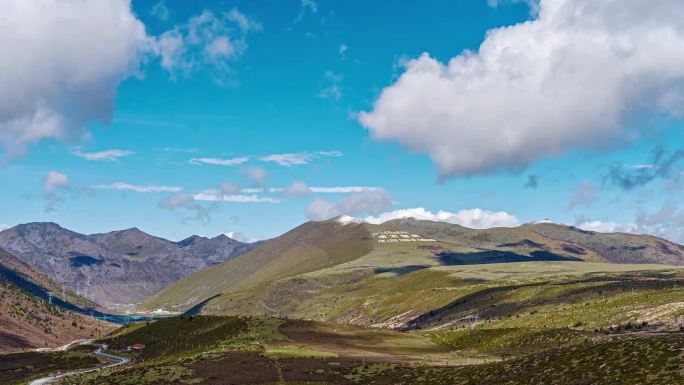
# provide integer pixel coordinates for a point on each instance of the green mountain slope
(309, 247)
(389, 274)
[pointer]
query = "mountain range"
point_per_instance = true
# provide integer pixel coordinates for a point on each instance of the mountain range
(371, 274)
(119, 267)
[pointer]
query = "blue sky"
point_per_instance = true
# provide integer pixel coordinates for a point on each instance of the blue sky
(291, 78)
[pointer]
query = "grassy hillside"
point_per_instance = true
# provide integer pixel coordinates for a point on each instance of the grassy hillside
(632, 359)
(554, 239)
(310, 247)
(267, 351)
(20, 368)
(232, 350)
(332, 272)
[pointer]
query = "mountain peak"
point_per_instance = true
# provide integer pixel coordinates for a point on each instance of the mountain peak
(190, 240)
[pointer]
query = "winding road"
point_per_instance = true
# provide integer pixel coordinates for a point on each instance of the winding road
(100, 352)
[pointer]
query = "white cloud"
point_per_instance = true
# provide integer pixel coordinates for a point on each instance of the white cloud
(584, 195)
(306, 6)
(343, 49)
(122, 186)
(257, 175)
(4, 227)
(62, 63)
(473, 218)
(575, 77)
(65, 60)
(54, 185)
(176, 201)
(229, 188)
(365, 202)
(160, 11)
(55, 180)
(298, 188)
(206, 41)
(244, 23)
(342, 189)
(242, 237)
(333, 89)
(217, 196)
(608, 227)
(288, 160)
(219, 162)
(298, 158)
(666, 222)
(106, 155)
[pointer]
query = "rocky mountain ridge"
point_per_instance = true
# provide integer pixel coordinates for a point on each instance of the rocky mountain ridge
(117, 267)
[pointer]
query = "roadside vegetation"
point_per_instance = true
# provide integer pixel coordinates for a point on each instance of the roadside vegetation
(267, 351)
(20, 368)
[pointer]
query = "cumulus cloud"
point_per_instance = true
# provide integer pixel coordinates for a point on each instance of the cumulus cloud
(62, 63)
(473, 218)
(241, 237)
(584, 195)
(298, 158)
(219, 162)
(55, 180)
(105, 155)
(663, 165)
(666, 222)
(574, 77)
(4, 227)
(257, 175)
(54, 185)
(607, 227)
(365, 202)
(208, 40)
(122, 186)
